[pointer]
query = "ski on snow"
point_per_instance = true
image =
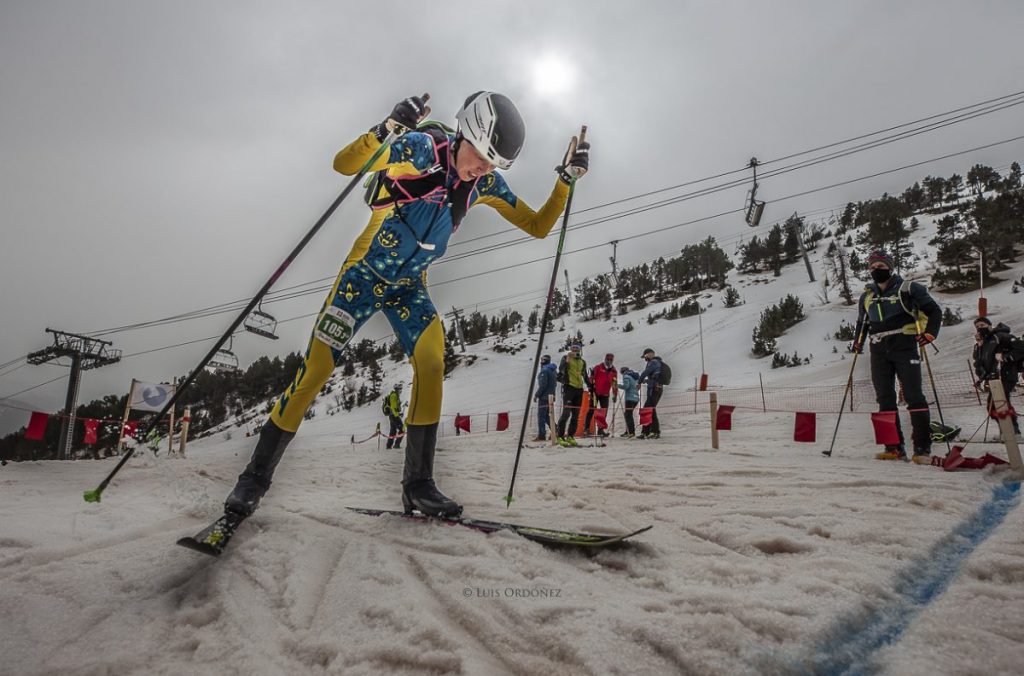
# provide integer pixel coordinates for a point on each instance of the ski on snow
(546, 536)
(213, 539)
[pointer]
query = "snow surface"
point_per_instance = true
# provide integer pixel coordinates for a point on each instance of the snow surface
(765, 556)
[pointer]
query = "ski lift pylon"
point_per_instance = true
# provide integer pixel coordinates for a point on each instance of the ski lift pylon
(261, 323)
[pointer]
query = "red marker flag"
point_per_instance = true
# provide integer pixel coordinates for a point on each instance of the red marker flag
(804, 427)
(885, 428)
(723, 420)
(37, 426)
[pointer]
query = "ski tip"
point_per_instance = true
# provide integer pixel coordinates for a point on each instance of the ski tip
(194, 545)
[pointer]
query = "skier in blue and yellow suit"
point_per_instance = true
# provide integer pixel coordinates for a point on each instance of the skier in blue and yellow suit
(425, 184)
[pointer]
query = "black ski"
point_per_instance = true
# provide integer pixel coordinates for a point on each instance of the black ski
(546, 536)
(214, 538)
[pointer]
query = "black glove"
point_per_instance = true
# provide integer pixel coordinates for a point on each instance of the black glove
(406, 115)
(575, 165)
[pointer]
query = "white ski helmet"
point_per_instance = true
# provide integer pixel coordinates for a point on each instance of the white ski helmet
(492, 124)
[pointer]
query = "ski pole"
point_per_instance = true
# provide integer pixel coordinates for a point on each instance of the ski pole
(849, 386)
(547, 311)
(977, 385)
(95, 494)
(935, 393)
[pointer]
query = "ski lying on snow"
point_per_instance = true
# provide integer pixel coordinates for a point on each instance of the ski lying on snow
(547, 536)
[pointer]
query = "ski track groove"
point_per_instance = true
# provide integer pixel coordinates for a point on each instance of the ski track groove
(42, 557)
(517, 639)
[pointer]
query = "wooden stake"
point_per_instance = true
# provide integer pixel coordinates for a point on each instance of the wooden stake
(1001, 409)
(170, 424)
(124, 420)
(184, 431)
(551, 420)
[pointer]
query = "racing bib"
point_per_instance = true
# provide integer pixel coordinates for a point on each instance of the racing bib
(335, 327)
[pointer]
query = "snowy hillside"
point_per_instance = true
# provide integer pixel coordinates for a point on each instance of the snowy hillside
(765, 556)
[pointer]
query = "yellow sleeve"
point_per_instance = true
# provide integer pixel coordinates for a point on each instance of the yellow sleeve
(517, 212)
(412, 152)
(352, 157)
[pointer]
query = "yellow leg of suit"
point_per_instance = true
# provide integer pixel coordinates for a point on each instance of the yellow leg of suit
(428, 376)
(315, 370)
(427, 360)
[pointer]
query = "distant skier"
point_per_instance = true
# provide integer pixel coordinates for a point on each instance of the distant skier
(994, 359)
(606, 379)
(393, 409)
(631, 398)
(433, 176)
(547, 379)
(652, 375)
(901, 318)
(572, 374)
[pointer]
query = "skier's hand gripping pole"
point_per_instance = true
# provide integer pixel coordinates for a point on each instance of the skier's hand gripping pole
(94, 495)
(573, 167)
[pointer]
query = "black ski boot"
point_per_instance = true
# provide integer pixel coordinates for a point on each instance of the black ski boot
(419, 492)
(255, 480)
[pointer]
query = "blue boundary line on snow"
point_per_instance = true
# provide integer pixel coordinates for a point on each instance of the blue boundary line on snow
(849, 647)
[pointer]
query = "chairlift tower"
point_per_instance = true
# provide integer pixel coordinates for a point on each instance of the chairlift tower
(456, 315)
(85, 353)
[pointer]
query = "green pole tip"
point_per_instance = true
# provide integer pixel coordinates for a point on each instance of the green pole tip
(508, 500)
(93, 495)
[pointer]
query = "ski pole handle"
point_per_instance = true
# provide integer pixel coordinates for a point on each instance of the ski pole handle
(398, 129)
(575, 172)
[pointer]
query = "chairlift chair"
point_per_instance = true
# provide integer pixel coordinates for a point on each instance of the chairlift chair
(755, 207)
(261, 323)
(224, 360)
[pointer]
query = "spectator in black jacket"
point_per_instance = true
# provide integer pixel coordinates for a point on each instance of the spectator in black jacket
(993, 358)
(900, 318)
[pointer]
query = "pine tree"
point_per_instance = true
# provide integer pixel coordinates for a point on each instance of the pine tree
(732, 297)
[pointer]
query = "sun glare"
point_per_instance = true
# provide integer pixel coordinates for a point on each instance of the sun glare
(552, 75)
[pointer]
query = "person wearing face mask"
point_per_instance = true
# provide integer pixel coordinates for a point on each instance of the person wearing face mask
(993, 358)
(901, 318)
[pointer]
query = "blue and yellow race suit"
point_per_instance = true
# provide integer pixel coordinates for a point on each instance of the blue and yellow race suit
(386, 269)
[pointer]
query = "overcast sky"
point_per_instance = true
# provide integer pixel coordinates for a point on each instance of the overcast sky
(161, 157)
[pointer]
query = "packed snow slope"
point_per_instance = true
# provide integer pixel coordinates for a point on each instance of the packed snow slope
(765, 556)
